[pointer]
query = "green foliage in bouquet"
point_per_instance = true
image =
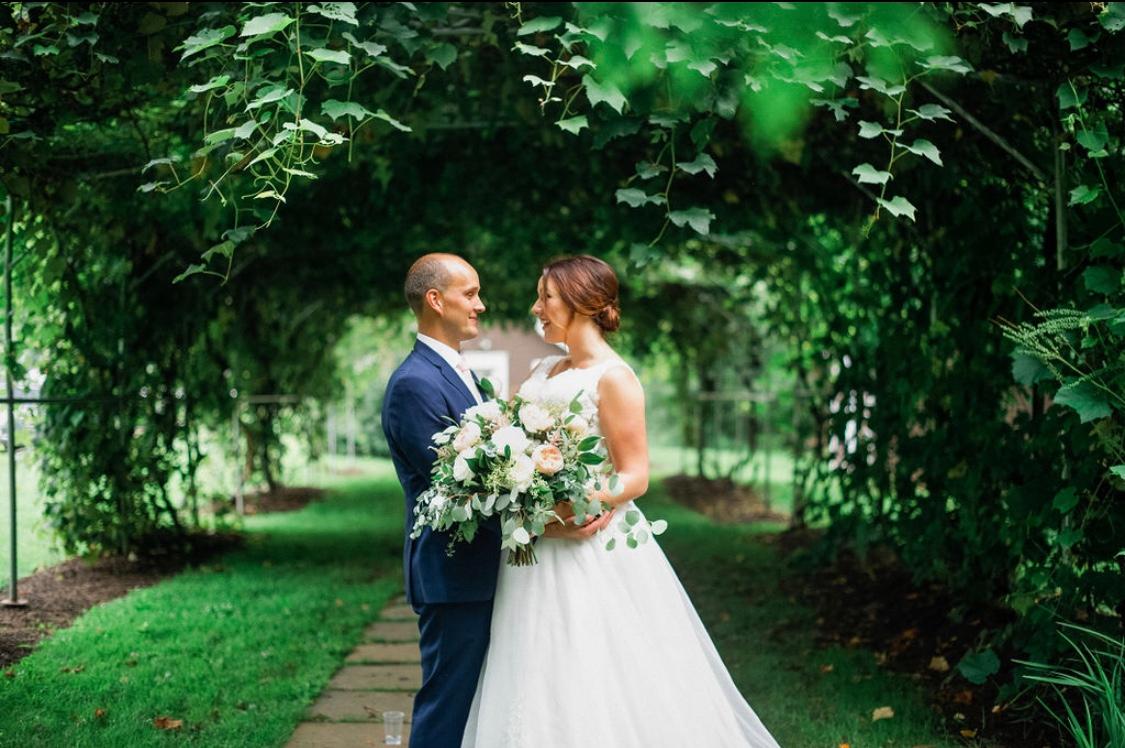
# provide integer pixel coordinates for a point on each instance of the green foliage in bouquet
(517, 461)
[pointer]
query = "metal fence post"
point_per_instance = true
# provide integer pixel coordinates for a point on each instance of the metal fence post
(13, 599)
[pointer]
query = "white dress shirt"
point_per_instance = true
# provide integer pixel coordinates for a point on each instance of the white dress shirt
(455, 361)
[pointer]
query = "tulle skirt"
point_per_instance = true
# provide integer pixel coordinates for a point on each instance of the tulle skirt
(603, 648)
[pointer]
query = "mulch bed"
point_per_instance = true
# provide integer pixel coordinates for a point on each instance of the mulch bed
(284, 499)
(720, 499)
(58, 594)
(874, 604)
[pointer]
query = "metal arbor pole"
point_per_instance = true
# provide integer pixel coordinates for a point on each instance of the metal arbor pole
(13, 600)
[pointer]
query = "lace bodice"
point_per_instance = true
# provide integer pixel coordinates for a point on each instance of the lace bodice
(563, 387)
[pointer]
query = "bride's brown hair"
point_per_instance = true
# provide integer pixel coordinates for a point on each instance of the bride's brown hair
(588, 286)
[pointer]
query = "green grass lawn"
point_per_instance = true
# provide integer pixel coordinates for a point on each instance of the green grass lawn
(238, 649)
(766, 640)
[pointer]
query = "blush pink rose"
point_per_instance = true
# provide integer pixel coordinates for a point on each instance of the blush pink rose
(548, 459)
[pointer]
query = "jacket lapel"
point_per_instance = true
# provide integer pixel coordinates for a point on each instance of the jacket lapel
(446, 370)
(476, 380)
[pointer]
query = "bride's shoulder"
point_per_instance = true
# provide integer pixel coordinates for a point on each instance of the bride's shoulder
(619, 379)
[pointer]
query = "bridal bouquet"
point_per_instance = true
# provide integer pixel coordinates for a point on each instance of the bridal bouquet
(516, 460)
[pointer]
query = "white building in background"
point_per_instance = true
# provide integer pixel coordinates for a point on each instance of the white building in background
(505, 354)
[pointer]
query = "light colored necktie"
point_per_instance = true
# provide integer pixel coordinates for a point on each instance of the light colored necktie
(467, 376)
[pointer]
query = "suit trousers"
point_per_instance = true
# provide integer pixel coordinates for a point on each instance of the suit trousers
(453, 639)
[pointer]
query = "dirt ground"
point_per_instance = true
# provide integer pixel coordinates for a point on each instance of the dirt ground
(919, 630)
(59, 594)
(720, 499)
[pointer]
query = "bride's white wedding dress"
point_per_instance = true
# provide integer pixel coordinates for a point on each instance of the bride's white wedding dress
(591, 647)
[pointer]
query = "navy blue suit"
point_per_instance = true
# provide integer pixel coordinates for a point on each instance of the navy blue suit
(451, 594)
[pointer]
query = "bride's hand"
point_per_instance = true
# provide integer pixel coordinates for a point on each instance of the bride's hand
(565, 510)
(571, 531)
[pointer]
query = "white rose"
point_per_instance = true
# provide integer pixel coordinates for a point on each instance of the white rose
(461, 470)
(468, 436)
(438, 502)
(535, 419)
(523, 471)
(511, 436)
(578, 426)
(489, 411)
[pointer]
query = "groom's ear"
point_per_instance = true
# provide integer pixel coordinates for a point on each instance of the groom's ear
(433, 300)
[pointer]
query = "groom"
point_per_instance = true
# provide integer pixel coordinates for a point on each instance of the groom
(452, 595)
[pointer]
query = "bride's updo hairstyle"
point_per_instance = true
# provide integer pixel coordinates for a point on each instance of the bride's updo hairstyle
(588, 286)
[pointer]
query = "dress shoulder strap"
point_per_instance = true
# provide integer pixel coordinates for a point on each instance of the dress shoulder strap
(597, 372)
(545, 365)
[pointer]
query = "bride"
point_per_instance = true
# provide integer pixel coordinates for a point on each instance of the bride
(591, 647)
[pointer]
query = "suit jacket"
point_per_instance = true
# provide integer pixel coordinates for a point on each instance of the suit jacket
(422, 394)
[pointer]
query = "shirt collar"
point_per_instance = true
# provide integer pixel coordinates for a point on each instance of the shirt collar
(448, 354)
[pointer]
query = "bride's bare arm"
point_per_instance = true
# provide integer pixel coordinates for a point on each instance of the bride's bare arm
(621, 413)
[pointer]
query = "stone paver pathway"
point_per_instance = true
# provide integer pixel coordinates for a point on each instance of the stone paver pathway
(380, 675)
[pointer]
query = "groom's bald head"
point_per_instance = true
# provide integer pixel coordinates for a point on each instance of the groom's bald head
(435, 270)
